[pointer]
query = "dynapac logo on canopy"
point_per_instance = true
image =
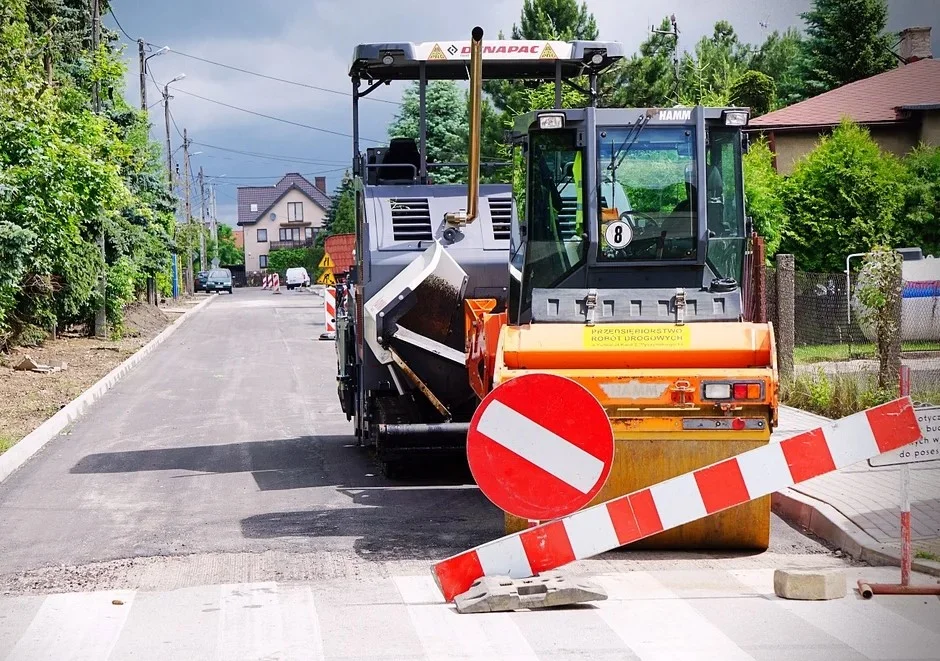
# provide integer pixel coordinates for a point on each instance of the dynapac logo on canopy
(675, 115)
(496, 50)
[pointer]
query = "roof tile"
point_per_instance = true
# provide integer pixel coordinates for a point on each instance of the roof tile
(265, 196)
(340, 249)
(868, 101)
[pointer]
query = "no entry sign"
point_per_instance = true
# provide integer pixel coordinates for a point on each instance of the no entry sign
(540, 446)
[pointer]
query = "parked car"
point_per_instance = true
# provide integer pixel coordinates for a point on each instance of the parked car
(219, 280)
(297, 277)
(200, 283)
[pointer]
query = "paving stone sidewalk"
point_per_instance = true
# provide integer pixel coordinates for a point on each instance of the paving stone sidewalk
(868, 499)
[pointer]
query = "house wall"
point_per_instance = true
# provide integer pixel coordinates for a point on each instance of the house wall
(930, 128)
(791, 146)
(314, 216)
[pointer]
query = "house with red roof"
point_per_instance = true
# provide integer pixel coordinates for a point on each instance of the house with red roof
(900, 108)
(287, 215)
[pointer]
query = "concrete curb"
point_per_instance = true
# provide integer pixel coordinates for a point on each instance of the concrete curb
(828, 523)
(20, 453)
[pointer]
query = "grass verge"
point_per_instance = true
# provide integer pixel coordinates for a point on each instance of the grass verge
(824, 353)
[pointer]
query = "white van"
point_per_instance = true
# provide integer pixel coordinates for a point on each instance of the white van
(297, 277)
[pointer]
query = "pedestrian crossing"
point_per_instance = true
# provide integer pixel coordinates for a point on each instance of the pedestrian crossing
(728, 615)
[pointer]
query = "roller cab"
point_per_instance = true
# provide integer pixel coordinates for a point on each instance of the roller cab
(631, 274)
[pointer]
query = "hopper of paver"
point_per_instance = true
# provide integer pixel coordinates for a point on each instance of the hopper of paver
(415, 322)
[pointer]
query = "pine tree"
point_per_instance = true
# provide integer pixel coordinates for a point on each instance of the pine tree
(845, 42)
(780, 57)
(562, 20)
(341, 218)
(648, 79)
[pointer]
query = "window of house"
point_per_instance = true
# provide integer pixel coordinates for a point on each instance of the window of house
(254, 207)
(289, 234)
(263, 261)
(262, 236)
(308, 232)
(295, 211)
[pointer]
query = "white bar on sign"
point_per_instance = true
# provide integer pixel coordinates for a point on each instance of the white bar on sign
(538, 445)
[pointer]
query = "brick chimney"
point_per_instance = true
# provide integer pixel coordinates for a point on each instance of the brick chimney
(320, 182)
(915, 44)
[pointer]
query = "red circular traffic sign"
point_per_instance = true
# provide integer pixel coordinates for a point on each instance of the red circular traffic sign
(540, 446)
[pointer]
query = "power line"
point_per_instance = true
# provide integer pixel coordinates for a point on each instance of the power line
(175, 125)
(276, 119)
(275, 78)
(273, 157)
(234, 181)
(114, 16)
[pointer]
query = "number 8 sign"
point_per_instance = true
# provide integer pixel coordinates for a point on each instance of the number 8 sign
(618, 234)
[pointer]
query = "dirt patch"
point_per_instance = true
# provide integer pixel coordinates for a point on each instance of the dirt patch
(27, 399)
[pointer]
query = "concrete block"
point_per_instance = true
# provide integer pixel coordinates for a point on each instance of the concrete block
(494, 594)
(810, 585)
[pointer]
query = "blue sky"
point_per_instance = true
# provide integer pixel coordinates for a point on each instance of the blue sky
(311, 42)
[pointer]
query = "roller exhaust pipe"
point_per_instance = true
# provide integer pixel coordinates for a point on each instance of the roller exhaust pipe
(476, 120)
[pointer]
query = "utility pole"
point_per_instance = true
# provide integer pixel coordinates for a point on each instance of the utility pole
(202, 217)
(101, 315)
(214, 224)
(169, 174)
(187, 205)
(143, 74)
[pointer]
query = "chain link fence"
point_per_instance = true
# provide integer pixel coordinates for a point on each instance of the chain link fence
(837, 368)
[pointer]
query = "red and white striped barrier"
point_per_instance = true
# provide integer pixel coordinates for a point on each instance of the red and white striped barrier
(271, 281)
(683, 499)
(329, 313)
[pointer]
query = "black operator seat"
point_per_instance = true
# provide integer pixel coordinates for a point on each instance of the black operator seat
(402, 161)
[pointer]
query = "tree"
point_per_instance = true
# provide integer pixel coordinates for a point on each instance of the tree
(845, 42)
(228, 252)
(922, 208)
(67, 174)
(780, 57)
(845, 197)
(649, 78)
(764, 191)
(563, 20)
(754, 90)
(707, 74)
(446, 125)
(341, 218)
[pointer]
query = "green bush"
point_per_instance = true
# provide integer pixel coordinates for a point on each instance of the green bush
(834, 395)
(844, 197)
(754, 90)
(764, 190)
(922, 207)
(121, 290)
(281, 260)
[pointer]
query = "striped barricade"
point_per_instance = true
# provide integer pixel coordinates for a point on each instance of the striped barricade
(685, 498)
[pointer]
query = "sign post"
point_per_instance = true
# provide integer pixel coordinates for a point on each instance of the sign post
(926, 449)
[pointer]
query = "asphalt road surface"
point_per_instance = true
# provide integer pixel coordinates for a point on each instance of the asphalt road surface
(220, 475)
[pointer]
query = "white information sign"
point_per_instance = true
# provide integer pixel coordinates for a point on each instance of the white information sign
(618, 234)
(926, 449)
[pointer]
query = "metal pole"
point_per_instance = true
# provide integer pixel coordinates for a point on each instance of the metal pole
(202, 217)
(213, 224)
(101, 315)
(423, 120)
(169, 175)
(905, 495)
(355, 128)
(143, 75)
(558, 90)
(187, 206)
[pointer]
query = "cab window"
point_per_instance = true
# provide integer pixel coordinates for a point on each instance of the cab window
(554, 223)
(647, 194)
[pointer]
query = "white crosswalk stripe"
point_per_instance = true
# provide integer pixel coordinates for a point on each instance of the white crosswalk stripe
(698, 614)
(75, 626)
